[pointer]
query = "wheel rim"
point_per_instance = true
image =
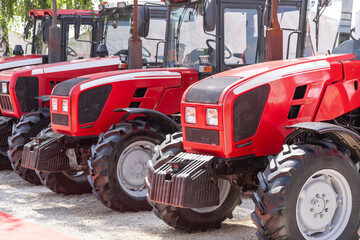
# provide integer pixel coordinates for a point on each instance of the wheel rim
(132, 167)
(324, 205)
(224, 189)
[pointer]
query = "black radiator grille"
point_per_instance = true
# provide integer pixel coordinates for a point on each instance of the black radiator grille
(202, 135)
(6, 103)
(60, 119)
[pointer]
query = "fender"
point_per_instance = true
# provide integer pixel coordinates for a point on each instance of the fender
(166, 124)
(339, 135)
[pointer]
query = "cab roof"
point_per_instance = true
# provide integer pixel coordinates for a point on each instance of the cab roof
(43, 12)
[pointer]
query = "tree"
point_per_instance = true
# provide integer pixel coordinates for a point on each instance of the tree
(10, 8)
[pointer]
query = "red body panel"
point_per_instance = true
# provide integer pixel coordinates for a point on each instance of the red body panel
(55, 72)
(325, 78)
(164, 91)
(20, 61)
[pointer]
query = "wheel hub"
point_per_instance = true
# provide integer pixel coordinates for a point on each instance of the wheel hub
(320, 209)
(317, 205)
(132, 167)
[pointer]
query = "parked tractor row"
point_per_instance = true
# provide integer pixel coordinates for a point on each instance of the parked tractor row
(118, 131)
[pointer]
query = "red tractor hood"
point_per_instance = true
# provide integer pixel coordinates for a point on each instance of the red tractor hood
(172, 75)
(20, 61)
(249, 77)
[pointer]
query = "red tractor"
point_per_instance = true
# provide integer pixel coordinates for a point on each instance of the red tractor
(129, 101)
(231, 133)
(39, 22)
(26, 89)
(37, 28)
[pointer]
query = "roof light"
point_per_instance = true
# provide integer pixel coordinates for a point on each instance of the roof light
(121, 4)
(101, 7)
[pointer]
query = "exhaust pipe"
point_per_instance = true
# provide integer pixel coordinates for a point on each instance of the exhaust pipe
(54, 38)
(135, 43)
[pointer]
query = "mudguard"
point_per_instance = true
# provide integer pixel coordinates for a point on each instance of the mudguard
(164, 122)
(339, 135)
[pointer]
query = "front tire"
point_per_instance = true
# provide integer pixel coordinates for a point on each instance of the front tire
(309, 191)
(119, 165)
(199, 219)
(30, 125)
(67, 182)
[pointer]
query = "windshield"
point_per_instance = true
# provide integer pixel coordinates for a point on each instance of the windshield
(329, 25)
(118, 30)
(187, 40)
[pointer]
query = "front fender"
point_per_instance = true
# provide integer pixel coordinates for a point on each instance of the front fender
(166, 124)
(339, 135)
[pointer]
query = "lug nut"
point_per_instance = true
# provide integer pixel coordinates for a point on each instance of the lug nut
(322, 215)
(323, 195)
(311, 210)
(314, 201)
(318, 195)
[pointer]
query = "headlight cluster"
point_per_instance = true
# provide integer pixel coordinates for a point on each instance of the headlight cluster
(54, 104)
(64, 105)
(4, 88)
(212, 118)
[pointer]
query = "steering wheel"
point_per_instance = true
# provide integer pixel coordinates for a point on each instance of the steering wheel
(226, 48)
(148, 53)
(70, 52)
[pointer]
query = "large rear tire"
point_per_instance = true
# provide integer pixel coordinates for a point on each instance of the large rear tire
(67, 182)
(30, 125)
(119, 165)
(199, 219)
(309, 191)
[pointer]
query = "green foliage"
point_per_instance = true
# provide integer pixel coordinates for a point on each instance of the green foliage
(10, 8)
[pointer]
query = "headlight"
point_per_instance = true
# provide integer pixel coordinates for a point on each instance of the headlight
(65, 105)
(190, 115)
(54, 104)
(212, 116)
(4, 87)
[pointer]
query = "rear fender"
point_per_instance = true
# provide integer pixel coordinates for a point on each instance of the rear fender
(166, 124)
(339, 135)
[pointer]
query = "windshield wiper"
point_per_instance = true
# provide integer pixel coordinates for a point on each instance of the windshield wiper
(177, 37)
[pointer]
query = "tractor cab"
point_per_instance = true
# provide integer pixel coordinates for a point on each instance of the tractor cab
(214, 36)
(37, 34)
(116, 24)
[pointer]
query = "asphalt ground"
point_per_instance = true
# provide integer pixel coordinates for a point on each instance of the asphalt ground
(84, 217)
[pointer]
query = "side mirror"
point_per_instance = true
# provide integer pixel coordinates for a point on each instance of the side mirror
(102, 51)
(143, 21)
(266, 16)
(77, 26)
(209, 16)
(27, 27)
(18, 50)
(46, 26)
